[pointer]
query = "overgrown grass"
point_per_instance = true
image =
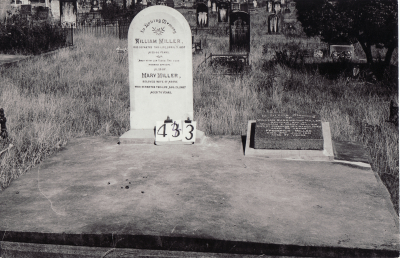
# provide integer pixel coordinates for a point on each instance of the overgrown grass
(85, 91)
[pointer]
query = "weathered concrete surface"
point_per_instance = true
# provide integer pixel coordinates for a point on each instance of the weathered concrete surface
(202, 198)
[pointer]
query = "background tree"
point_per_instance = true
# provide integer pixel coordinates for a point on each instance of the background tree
(369, 22)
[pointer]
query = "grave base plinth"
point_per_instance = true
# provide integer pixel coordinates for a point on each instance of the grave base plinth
(147, 136)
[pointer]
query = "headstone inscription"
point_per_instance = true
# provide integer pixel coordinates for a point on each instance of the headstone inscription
(202, 15)
(289, 131)
(239, 36)
(160, 71)
(223, 11)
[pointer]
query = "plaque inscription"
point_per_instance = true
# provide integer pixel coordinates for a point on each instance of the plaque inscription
(289, 131)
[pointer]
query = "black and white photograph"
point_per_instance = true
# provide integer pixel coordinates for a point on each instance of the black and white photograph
(199, 128)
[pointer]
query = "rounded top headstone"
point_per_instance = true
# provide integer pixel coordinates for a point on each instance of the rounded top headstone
(160, 67)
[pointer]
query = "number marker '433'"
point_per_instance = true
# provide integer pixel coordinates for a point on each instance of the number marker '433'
(175, 130)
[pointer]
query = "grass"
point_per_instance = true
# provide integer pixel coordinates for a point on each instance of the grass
(85, 91)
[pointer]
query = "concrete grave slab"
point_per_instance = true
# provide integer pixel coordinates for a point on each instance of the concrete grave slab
(204, 198)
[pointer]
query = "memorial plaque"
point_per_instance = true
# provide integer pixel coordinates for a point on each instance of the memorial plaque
(202, 15)
(289, 132)
(223, 11)
(239, 36)
(160, 67)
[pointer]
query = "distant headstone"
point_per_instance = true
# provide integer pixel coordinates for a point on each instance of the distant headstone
(223, 11)
(239, 36)
(55, 9)
(43, 14)
(5, 6)
(318, 53)
(160, 70)
(289, 131)
(213, 6)
(94, 5)
(3, 126)
(341, 52)
(202, 15)
(68, 13)
(277, 7)
(274, 23)
(235, 6)
(26, 9)
(244, 7)
(269, 6)
(170, 3)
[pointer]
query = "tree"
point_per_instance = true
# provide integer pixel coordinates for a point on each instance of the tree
(369, 22)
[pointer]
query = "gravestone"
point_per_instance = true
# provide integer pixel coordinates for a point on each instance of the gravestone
(214, 6)
(235, 6)
(223, 11)
(239, 32)
(68, 12)
(43, 13)
(274, 23)
(341, 52)
(55, 9)
(94, 5)
(277, 7)
(289, 131)
(269, 7)
(5, 5)
(26, 9)
(160, 71)
(202, 15)
(244, 7)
